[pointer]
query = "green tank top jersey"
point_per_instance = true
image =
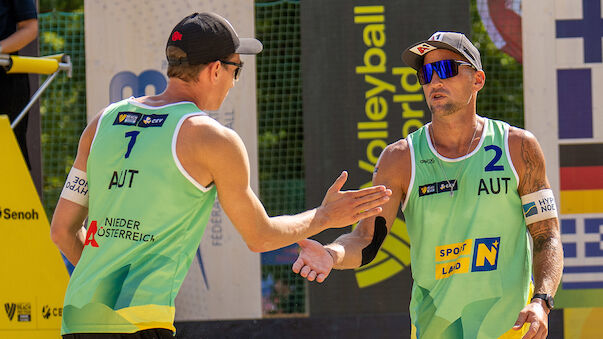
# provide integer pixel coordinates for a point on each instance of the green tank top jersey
(146, 219)
(470, 255)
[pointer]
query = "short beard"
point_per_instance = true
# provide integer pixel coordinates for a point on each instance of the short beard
(446, 109)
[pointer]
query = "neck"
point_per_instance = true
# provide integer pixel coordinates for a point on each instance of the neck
(177, 91)
(455, 136)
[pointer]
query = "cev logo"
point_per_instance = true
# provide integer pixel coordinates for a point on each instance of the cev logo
(138, 84)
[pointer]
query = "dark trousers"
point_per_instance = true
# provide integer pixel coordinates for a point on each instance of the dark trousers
(153, 333)
(14, 96)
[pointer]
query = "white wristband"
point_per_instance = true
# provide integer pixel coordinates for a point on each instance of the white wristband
(76, 187)
(539, 206)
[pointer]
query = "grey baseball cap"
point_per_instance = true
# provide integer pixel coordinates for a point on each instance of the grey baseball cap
(453, 41)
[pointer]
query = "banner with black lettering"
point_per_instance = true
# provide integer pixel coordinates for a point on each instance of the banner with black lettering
(358, 97)
(125, 56)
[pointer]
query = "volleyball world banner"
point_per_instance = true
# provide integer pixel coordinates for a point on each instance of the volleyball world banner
(125, 56)
(359, 96)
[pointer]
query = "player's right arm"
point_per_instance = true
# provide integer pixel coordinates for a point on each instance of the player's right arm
(360, 246)
(220, 157)
(66, 228)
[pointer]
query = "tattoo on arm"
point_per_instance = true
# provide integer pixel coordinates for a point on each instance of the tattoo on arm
(534, 175)
(548, 255)
(542, 234)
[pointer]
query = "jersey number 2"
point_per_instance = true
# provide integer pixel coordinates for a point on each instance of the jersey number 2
(492, 166)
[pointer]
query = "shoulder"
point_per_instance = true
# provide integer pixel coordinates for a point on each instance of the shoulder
(519, 135)
(395, 162)
(90, 130)
(400, 148)
(205, 139)
(528, 159)
(206, 129)
(523, 145)
(85, 143)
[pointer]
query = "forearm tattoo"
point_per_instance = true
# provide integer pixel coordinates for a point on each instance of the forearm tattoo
(548, 255)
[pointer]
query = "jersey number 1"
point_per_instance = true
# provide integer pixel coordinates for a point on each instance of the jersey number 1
(132, 135)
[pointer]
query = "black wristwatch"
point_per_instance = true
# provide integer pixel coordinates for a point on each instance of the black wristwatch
(548, 299)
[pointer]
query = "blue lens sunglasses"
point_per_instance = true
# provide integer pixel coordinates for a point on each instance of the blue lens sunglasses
(444, 68)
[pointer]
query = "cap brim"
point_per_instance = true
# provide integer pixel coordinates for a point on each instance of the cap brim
(415, 60)
(249, 46)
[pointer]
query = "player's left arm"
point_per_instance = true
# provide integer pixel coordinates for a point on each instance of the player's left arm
(548, 253)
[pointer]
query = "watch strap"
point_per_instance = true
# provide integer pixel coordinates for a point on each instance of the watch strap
(544, 297)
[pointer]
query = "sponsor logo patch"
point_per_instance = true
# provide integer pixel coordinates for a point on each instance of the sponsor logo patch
(48, 311)
(427, 189)
(127, 118)
(485, 254)
(422, 49)
(447, 269)
(10, 309)
(21, 310)
(471, 255)
(530, 209)
(438, 187)
(115, 227)
(176, 36)
(152, 120)
(24, 312)
(453, 251)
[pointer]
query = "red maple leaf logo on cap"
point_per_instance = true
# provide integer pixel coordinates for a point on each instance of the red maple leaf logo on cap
(176, 36)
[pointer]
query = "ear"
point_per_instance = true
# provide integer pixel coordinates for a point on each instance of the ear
(479, 80)
(213, 69)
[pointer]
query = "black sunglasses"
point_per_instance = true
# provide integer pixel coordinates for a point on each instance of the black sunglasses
(444, 68)
(237, 71)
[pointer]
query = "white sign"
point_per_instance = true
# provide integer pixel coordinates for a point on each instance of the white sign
(563, 83)
(125, 56)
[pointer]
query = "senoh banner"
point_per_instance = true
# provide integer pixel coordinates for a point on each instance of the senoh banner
(34, 277)
(358, 97)
(125, 56)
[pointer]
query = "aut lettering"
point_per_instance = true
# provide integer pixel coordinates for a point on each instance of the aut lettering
(495, 186)
(120, 178)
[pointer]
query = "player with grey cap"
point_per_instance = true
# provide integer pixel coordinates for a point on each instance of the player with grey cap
(456, 42)
(153, 167)
(469, 187)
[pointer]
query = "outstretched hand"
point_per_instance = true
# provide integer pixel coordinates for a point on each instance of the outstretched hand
(314, 262)
(344, 208)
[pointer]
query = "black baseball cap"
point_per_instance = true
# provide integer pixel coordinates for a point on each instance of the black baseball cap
(453, 41)
(207, 37)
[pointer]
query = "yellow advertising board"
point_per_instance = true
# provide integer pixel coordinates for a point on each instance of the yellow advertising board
(33, 276)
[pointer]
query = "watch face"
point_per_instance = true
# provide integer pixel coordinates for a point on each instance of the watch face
(551, 302)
